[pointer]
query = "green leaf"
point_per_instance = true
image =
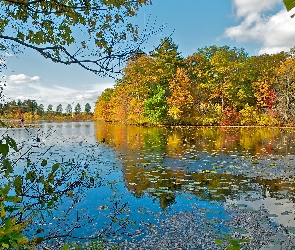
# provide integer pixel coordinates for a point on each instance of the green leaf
(7, 224)
(14, 199)
(50, 203)
(4, 149)
(55, 167)
(18, 182)
(3, 124)
(44, 163)
(38, 240)
(11, 142)
(21, 36)
(31, 176)
(50, 178)
(219, 242)
(234, 243)
(3, 212)
(18, 236)
(7, 167)
(65, 247)
(290, 4)
(5, 245)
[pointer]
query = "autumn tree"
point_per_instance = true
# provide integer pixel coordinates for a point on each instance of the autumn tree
(285, 91)
(136, 81)
(53, 29)
(262, 73)
(225, 64)
(102, 110)
(182, 97)
(167, 59)
(140, 96)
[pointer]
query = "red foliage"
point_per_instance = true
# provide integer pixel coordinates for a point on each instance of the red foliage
(270, 99)
(230, 117)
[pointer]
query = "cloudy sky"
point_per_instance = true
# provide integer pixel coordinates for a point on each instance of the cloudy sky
(262, 26)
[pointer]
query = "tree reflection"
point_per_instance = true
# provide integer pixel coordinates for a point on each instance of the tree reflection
(211, 163)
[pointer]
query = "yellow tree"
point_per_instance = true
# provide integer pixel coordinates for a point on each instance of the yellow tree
(135, 86)
(262, 73)
(285, 91)
(182, 98)
(102, 110)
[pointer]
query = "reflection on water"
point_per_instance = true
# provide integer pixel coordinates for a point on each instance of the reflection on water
(253, 166)
(176, 169)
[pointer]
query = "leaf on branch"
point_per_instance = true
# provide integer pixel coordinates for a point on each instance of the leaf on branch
(44, 163)
(55, 167)
(11, 142)
(4, 149)
(290, 4)
(3, 212)
(18, 182)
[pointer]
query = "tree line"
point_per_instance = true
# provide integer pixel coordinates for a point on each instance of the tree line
(213, 86)
(30, 109)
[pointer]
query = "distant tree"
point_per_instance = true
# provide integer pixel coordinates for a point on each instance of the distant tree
(87, 108)
(31, 105)
(59, 109)
(19, 102)
(40, 109)
(78, 109)
(69, 109)
(49, 108)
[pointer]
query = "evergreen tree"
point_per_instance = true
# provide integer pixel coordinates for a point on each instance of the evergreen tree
(49, 108)
(59, 109)
(78, 109)
(69, 109)
(87, 108)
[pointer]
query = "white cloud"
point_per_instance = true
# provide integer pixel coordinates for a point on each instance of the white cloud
(24, 87)
(22, 78)
(273, 32)
(248, 7)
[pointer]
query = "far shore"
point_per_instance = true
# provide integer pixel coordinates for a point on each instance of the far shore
(31, 122)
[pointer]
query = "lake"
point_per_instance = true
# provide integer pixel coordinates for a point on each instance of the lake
(182, 186)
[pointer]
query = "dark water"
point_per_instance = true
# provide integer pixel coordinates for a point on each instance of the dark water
(161, 171)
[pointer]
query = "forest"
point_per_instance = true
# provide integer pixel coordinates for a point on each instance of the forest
(213, 86)
(31, 110)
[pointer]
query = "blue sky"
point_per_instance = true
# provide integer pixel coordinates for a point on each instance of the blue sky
(260, 27)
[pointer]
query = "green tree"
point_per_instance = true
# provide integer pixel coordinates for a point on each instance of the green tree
(53, 29)
(49, 108)
(155, 107)
(69, 109)
(40, 109)
(31, 105)
(166, 61)
(87, 108)
(77, 109)
(59, 109)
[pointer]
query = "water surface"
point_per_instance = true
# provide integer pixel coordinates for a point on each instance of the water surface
(162, 171)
